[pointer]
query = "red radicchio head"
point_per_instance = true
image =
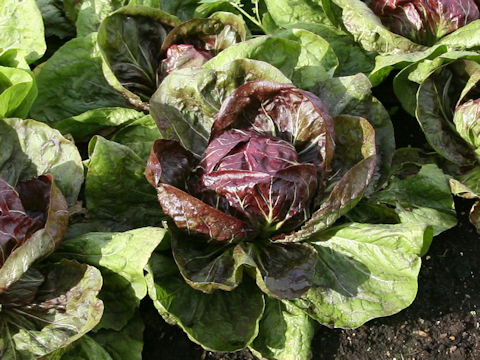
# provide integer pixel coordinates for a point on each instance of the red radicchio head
(268, 157)
(260, 177)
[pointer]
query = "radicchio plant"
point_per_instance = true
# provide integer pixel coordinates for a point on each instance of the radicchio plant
(267, 169)
(425, 21)
(194, 42)
(141, 45)
(48, 305)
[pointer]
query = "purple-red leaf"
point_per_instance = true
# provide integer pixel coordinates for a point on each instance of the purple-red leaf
(248, 150)
(16, 225)
(196, 217)
(183, 56)
(169, 163)
(284, 111)
(260, 177)
(37, 204)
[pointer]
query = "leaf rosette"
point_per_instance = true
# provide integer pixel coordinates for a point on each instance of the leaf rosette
(243, 253)
(43, 306)
(265, 172)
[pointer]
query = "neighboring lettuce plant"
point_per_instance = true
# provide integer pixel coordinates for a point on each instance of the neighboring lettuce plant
(22, 39)
(141, 45)
(256, 179)
(43, 306)
(447, 107)
(194, 42)
(407, 31)
(425, 21)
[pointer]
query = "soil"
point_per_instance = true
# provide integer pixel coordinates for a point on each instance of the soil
(442, 323)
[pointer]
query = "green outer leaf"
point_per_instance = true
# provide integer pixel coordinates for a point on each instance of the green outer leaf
(21, 27)
(302, 56)
(397, 51)
(17, 92)
(223, 28)
(121, 258)
(424, 199)
(40, 244)
(437, 127)
(184, 9)
(368, 30)
(283, 270)
(54, 18)
(119, 44)
(408, 80)
(30, 148)
(467, 123)
(311, 16)
(465, 37)
(72, 82)
(286, 12)
(209, 266)
(91, 122)
(119, 298)
(369, 212)
(385, 63)
(186, 102)
(139, 135)
(470, 69)
(222, 321)
(13, 58)
(123, 253)
(343, 197)
(354, 141)
(471, 180)
(92, 12)
(286, 332)
(351, 95)
(116, 188)
(84, 348)
(74, 285)
(364, 271)
(126, 344)
(208, 7)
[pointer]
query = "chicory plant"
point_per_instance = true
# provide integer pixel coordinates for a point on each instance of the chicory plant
(255, 202)
(44, 306)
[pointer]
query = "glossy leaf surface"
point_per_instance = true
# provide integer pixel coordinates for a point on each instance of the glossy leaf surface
(221, 321)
